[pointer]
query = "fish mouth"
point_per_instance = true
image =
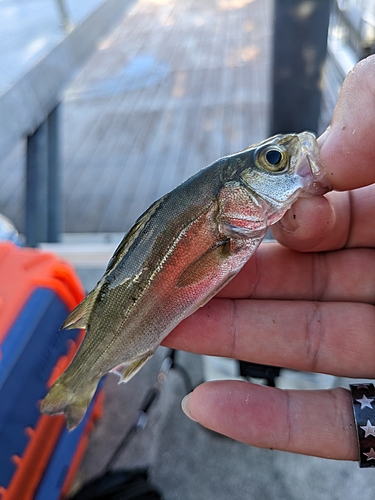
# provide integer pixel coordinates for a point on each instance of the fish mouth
(308, 166)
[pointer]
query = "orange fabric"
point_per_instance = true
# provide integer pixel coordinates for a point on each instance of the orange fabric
(22, 270)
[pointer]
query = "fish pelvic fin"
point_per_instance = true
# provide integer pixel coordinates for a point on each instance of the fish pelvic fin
(127, 370)
(79, 317)
(73, 404)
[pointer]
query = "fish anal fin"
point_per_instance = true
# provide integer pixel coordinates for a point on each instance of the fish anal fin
(127, 370)
(78, 318)
(120, 369)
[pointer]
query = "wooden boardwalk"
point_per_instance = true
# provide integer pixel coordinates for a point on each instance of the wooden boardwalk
(175, 86)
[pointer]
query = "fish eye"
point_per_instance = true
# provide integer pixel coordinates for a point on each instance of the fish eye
(273, 159)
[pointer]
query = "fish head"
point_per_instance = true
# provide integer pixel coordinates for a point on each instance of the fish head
(283, 168)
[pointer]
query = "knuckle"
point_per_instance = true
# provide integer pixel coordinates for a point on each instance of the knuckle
(233, 330)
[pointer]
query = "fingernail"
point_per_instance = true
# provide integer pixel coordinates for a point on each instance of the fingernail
(185, 407)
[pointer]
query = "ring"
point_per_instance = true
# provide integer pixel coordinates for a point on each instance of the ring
(363, 399)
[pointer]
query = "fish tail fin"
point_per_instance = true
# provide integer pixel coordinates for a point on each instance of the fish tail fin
(60, 399)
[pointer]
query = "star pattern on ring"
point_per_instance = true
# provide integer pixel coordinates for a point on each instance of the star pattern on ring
(369, 429)
(365, 402)
(370, 455)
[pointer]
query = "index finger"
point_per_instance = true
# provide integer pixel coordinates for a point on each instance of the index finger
(348, 153)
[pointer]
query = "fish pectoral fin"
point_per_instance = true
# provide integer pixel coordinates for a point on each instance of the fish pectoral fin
(127, 370)
(206, 265)
(78, 318)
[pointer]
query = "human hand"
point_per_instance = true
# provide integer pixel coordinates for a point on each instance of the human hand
(307, 305)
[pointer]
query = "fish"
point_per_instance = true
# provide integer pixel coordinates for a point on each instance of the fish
(179, 253)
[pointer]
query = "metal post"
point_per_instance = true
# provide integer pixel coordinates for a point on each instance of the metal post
(43, 183)
(54, 196)
(36, 186)
(299, 51)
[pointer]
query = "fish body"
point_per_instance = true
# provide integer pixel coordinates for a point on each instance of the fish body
(177, 256)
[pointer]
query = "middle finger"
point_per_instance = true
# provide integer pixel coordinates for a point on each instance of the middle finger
(327, 337)
(275, 272)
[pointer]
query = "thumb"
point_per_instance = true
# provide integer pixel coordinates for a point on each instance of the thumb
(348, 146)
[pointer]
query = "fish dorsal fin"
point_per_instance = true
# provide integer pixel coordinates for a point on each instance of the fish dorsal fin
(131, 237)
(78, 318)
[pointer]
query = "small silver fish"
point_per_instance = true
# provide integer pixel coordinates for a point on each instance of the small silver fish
(177, 256)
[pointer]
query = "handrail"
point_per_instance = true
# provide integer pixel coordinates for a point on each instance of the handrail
(29, 109)
(25, 105)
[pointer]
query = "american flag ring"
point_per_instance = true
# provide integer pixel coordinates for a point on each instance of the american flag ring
(363, 399)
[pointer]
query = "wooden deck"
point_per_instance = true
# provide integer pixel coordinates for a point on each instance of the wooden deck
(175, 86)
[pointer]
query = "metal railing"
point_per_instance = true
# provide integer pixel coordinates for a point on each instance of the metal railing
(30, 109)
